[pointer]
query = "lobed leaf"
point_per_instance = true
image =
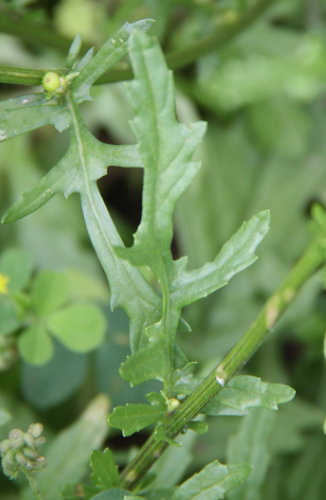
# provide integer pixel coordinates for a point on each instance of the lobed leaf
(212, 482)
(245, 392)
(165, 146)
(105, 473)
(236, 254)
(50, 291)
(109, 54)
(134, 417)
(27, 113)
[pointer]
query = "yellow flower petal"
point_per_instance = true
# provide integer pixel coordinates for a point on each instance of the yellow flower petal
(4, 280)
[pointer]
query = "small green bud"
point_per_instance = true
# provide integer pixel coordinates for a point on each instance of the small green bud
(172, 404)
(51, 81)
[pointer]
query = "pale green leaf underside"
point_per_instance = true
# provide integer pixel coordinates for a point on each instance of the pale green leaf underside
(212, 482)
(245, 392)
(236, 254)
(165, 146)
(23, 114)
(108, 55)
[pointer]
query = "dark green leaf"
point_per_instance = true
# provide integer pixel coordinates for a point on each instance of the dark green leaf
(134, 417)
(105, 473)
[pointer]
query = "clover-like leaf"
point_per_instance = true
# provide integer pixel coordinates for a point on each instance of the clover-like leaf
(35, 345)
(79, 327)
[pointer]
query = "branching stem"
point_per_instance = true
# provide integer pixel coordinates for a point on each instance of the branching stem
(309, 263)
(176, 59)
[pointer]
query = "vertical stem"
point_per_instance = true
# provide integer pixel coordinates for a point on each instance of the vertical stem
(33, 484)
(311, 260)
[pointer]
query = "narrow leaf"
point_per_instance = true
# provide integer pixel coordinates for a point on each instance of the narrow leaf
(68, 455)
(251, 445)
(35, 345)
(108, 55)
(236, 254)
(165, 146)
(23, 114)
(79, 327)
(245, 392)
(212, 482)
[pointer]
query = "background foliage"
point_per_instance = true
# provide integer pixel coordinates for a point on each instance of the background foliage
(263, 97)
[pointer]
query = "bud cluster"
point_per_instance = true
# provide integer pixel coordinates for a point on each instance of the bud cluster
(20, 451)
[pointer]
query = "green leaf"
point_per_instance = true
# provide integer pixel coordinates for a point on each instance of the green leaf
(17, 265)
(23, 114)
(9, 320)
(112, 494)
(50, 384)
(35, 345)
(105, 473)
(5, 417)
(50, 291)
(68, 455)
(165, 146)
(236, 254)
(251, 445)
(134, 417)
(80, 327)
(212, 482)
(245, 392)
(146, 364)
(108, 55)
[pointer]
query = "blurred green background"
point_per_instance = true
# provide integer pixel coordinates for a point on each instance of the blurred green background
(263, 95)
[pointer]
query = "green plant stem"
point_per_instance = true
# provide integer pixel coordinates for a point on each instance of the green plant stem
(175, 59)
(33, 484)
(309, 263)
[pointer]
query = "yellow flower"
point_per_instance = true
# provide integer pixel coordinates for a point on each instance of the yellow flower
(4, 280)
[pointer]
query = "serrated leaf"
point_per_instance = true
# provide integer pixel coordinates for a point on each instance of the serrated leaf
(236, 254)
(68, 455)
(80, 327)
(212, 482)
(35, 345)
(108, 55)
(105, 473)
(50, 291)
(147, 363)
(165, 146)
(134, 417)
(245, 392)
(23, 114)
